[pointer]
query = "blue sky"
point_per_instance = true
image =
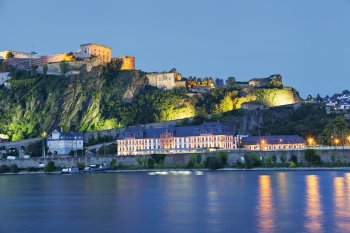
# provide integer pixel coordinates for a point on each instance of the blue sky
(307, 42)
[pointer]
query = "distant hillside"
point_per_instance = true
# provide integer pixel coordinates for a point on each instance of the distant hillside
(105, 98)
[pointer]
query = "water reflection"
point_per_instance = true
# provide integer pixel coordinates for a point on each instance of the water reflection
(265, 208)
(341, 210)
(313, 211)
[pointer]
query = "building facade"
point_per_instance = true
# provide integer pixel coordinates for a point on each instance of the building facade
(273, 142)
(143, 141)
(166, 81)
(61, 143)
(100, 51)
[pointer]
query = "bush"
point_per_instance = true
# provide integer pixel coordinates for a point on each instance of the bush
(223, 157)
(252, 161)
(150, 162)
(141, 160)
(195, 159)
(113, 164)
(212, 162)
(4, 169)
(293, 159)
(158, 158)
(311, 156)
(292, 164)
(14, 168)
(50, 167)
(283, 158)
(190, 164)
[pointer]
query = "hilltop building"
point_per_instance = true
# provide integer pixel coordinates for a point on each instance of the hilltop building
(272, 81)
(166, 80)
(143, 141)
(22, 60)
(61, 143)
(273, 142)
(93, 49)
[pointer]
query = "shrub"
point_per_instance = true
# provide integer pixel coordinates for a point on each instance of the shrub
(141, 160)
(311, 156)
(113, 164)
(190, 163)
(252, 161)
(292, 164)
(283, 158)
(14, 168)
(197, 158)
(212, 162)
(150, 162)
(158, 158)
(50, 167)
(4, 169)
(223, 157)
(293, 159)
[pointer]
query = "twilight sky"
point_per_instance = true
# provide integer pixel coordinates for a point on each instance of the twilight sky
(307, 42)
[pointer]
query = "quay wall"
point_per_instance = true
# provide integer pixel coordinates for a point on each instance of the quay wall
(176, 159)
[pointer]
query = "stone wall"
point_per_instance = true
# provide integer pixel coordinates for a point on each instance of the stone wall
(162, 80)
(176, 159)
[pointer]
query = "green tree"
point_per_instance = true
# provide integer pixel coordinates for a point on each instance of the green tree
(212, 162)
(63, 67)
(113, 164)
(311, 156)
(334, 130)
(150, 162)
(252, 160)
(293, 159)
(230, 82)
(223, 157)
(283, 158)
(50, 167)
(158, 158)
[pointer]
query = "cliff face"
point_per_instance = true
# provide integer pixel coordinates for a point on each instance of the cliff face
(304, 120)
(39, 103)
(106, 98)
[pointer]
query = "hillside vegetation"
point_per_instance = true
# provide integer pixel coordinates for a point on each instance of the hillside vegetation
(106, 98)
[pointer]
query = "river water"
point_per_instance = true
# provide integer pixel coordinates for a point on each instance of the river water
(222, 201)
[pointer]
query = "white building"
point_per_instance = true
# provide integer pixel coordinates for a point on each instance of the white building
(61, 143)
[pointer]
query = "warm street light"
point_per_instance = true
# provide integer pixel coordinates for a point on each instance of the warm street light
(311, 141)
(336, 141)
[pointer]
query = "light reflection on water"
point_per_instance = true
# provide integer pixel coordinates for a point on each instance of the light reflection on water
(313, 211)
(265, 207)
(341, 205)
(210, 202)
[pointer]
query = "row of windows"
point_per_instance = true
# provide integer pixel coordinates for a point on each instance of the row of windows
(175, 140)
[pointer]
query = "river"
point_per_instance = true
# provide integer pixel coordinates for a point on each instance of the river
(222, 201)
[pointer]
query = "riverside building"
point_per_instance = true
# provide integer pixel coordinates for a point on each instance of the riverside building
(61, 143)
(277, 142)
(172, 140)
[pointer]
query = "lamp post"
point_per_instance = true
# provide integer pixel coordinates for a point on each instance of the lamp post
(44, 134)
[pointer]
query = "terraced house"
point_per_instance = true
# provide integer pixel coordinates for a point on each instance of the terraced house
(142, 141)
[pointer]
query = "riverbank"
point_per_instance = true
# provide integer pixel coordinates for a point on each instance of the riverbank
(172, 171)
